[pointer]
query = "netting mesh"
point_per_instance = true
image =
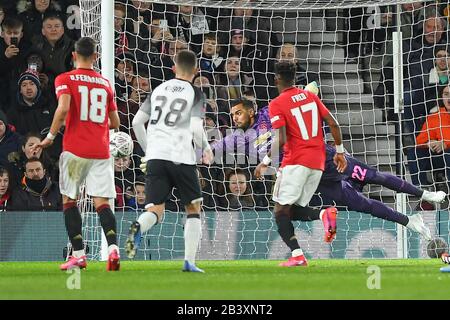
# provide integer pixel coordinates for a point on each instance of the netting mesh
(291, 5)
(346, 47)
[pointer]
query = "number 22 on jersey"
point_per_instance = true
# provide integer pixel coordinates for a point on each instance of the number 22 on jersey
(93, 104)
(299, 113)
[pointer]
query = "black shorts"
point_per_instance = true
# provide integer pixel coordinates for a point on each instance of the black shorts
(162, 176)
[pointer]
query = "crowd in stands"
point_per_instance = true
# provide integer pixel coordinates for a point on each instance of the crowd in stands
(236, 50)
(426, 66)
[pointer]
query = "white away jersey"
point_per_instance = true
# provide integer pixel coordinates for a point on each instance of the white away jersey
(170, 107)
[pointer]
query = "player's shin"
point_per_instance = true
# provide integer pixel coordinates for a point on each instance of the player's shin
(192, 235)
(298, 213)
(108, 222)
(73, 222)
(286, 231)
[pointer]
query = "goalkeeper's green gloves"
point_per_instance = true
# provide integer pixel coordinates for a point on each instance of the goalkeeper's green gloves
(312, 87)
(143, 165)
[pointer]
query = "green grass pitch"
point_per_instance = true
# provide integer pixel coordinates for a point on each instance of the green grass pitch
(241, 279)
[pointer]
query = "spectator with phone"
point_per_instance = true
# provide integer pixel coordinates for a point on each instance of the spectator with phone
(162, 65)
(190, 24)
(160, 35)
(13, 50)
(35, 63)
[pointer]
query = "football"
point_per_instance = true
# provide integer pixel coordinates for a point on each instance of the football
(436, 247)
(120, 144)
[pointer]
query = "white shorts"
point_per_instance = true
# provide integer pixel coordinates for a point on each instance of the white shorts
(98, 174)
(296, 184)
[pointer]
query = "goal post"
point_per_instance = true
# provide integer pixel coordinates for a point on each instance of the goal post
(352, 49)
(97, 17)
(107, 58)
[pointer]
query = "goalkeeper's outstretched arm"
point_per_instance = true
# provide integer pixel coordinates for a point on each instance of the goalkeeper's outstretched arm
(139, 121)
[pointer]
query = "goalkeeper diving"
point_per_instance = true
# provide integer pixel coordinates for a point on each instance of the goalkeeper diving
(344, 189)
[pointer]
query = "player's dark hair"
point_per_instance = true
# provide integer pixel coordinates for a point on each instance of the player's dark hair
(12, 22)
(247, 104)
(85, 47)
(286, 70)
(186, 60)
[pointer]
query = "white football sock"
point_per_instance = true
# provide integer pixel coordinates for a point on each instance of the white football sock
(192, 235)
(79, 253)
(147, 220)
(297, 252)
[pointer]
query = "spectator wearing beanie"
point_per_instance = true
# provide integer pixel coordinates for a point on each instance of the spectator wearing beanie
(32, 111)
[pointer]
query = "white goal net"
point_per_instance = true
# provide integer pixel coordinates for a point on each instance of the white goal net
(347, 48)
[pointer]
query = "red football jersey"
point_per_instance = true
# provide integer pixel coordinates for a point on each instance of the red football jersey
(301, 112)
(92, 99)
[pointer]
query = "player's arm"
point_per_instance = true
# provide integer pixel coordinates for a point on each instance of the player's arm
(339, 157)
(139, 121)
(223, 146)
(201, 140)
(196, 126)
(58, 121)
(114, 120)
(279, 141)
(278, 123)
